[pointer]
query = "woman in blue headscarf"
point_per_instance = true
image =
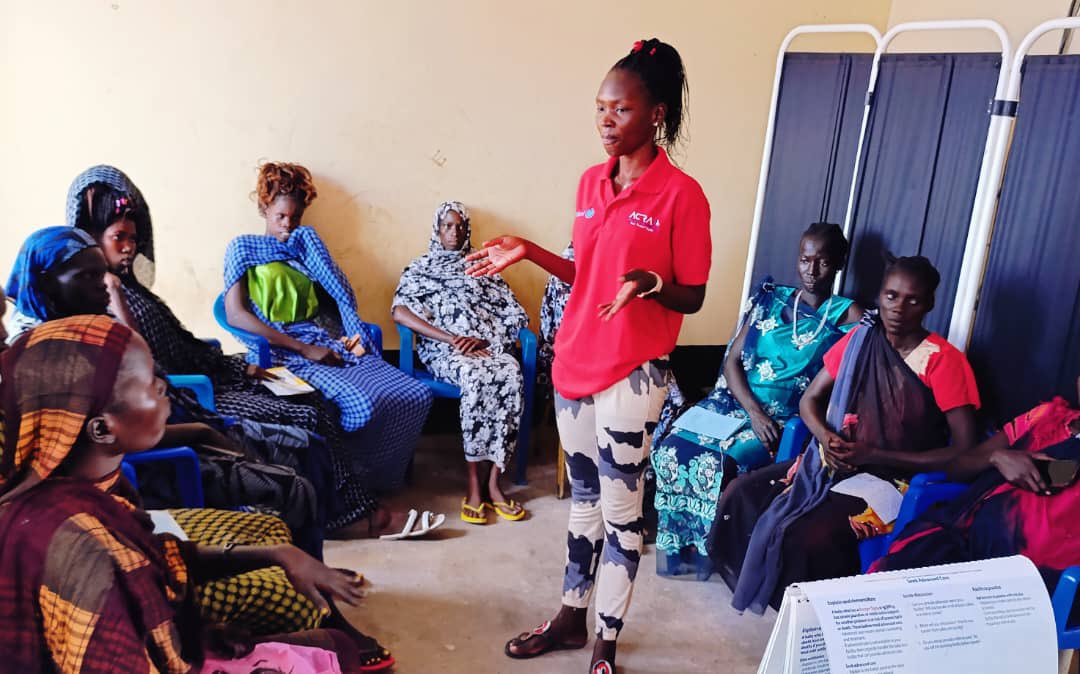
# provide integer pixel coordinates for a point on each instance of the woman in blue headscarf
(58, 272)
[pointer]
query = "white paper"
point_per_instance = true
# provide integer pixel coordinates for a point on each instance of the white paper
(286, 383)
(710, 424)
(164, 523)
(991, 617)
(880, 495)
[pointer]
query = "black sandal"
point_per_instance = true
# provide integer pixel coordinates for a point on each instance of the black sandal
(549, 644)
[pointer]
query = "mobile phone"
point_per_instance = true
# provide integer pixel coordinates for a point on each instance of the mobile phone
(1058, 474)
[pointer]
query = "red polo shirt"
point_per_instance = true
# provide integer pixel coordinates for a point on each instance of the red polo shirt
(659, 223)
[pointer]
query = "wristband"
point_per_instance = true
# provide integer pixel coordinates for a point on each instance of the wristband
(655, 289)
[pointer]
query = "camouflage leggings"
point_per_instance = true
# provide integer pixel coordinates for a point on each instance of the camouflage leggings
(606, 438)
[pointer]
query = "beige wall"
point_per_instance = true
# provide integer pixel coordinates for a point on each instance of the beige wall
(1018, 17)
(394, 106)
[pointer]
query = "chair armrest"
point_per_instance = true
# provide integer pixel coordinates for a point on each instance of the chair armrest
(186, 465)
(925, 490)
(405, 354)
(529, 347)
(375, 332)
(1063, 598)
(796, 433)
(198, 384)
(923, 479)
(129, 472)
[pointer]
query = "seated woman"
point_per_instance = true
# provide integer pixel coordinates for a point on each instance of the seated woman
(468, 331)
(284, 286)
(890, 393)
(125, 236)
(777, 349)
(1010, 508)
(60, 272)
(86, 585)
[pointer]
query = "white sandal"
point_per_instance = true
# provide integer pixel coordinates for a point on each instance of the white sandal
(428, 522)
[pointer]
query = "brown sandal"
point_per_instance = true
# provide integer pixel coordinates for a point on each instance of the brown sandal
(548, 643)
(602, 667)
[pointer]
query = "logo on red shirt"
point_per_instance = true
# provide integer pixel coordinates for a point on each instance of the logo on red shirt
(644, 221)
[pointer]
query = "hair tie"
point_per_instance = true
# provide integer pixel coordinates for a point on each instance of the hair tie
(637, 47)
(120, 204)
(652, 52)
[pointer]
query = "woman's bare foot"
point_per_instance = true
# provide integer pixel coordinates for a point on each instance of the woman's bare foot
(565, 631)
(382, 521)
(495, 495)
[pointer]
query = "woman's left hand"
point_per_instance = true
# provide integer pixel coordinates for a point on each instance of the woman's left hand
(316, 581)
(634, 282)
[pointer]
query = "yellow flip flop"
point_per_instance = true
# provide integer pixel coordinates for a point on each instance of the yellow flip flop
(472, 515)
(501, 509)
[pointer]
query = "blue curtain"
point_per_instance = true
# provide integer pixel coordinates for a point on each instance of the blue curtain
(1026, 344)
(920, 167)
(818, 114)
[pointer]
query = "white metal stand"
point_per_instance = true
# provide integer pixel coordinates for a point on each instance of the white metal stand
(977, 249)
(766, 157)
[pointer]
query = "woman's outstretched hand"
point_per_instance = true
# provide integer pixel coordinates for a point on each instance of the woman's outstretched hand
(496, 255)
(634, 282)
(316, 581)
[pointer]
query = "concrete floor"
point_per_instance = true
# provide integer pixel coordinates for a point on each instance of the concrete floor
(450, 603)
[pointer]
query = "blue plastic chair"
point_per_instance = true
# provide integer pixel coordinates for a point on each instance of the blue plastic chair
(199, 384)
(183, 459)
(185, 464)
(793, 440)
(441, 389)
(1062, 600)
(925, 490)
(262, 345)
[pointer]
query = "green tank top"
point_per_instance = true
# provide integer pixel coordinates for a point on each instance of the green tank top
(283, 294)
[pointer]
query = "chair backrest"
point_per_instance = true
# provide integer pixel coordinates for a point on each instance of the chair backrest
(249, 339)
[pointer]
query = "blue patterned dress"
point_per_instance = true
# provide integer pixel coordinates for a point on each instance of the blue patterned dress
(692, 469)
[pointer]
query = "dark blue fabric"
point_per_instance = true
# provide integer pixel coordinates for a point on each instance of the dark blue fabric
(920, 168)
(42, 250)
(1026, 343)
(818, 115)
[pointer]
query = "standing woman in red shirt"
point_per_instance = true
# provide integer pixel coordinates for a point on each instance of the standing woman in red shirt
(642, 248)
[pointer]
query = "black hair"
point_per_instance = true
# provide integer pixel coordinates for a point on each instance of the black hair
(919, 268)
(661, 70)
(101, 205)
(832, 235)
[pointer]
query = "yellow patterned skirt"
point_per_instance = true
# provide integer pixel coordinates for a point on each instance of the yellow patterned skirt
(262, 601)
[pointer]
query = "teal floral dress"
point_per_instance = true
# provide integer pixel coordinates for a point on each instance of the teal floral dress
(780, 357)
